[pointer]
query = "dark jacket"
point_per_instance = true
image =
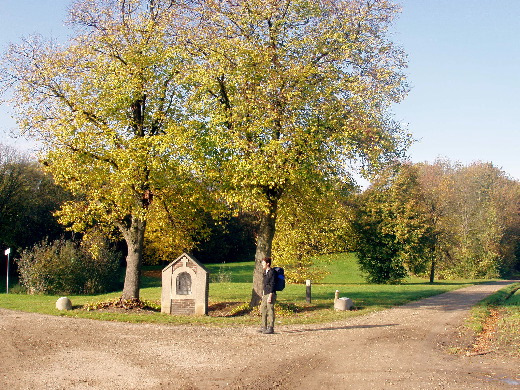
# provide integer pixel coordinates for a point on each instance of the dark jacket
(268, 280)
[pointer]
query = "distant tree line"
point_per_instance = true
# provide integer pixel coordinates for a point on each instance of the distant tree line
(442, 219)
(28, 199)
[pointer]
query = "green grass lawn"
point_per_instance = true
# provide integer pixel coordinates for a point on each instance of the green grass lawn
(231, 286)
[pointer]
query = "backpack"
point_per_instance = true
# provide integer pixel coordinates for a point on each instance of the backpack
(279, 279)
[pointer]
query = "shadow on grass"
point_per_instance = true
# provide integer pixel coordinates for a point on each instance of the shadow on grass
(227, 309)
(385, 298)
(446, 283)
(411, 283)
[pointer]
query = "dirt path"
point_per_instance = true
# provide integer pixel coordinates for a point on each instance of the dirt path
(404, 347)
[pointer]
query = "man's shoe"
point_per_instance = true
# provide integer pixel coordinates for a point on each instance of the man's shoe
(269, 330)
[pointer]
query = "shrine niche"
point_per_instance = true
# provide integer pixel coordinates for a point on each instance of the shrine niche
(185, 287)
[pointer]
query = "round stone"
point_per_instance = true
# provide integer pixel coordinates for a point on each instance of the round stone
(63, 303)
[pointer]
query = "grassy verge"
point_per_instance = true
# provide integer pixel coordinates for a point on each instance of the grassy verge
(508, 333)
(496, 320)
(230, 290)
(482, 311)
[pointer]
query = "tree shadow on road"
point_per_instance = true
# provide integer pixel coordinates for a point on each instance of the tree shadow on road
(456, 300)
(336, 328)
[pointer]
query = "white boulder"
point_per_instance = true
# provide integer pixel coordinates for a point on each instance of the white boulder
(63, 303)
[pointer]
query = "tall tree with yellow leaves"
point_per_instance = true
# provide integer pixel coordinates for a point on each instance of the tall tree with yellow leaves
(107, 108)
(290, 92)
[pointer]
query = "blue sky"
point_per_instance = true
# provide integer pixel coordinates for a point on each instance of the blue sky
(464, 65)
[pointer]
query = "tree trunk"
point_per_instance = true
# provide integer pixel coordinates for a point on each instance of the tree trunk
(134, 237)
(264, 245)
(432, 271)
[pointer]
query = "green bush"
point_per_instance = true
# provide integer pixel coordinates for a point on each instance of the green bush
(64, 267)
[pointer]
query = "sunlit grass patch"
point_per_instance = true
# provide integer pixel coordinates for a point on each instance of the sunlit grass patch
(230, 292)
(508, 327)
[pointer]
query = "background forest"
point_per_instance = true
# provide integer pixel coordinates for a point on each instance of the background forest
(442, 220)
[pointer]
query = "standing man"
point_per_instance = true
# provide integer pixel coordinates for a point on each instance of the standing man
(268, 297)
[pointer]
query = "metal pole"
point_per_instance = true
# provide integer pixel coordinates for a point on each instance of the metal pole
(7, 252)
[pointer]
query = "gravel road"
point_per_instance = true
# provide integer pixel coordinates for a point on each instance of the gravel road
(404, 347)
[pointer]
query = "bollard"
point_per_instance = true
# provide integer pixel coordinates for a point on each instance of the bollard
(343, 304)
(308, 288)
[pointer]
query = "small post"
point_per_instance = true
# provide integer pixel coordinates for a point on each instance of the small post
(308, 288)
(7, 252)
(336, 296)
